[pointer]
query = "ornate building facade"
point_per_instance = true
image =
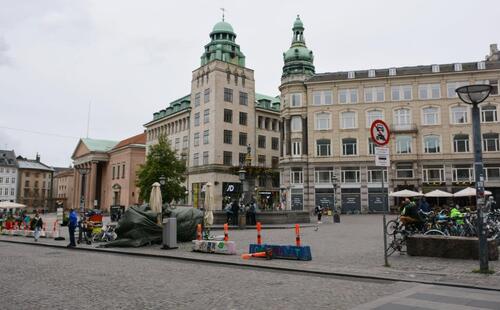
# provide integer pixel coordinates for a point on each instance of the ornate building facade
(326, 119)
(211, 127)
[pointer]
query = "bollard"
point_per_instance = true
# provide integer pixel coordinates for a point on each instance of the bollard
(226, 236)
(297, 235)
(259, 238)
(198, 232)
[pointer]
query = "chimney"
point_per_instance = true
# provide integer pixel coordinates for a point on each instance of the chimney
(494, 53)
(37, 157)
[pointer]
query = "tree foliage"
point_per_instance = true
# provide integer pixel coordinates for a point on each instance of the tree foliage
(162, 161)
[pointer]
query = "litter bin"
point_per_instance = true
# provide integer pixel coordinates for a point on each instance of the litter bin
(169, 236)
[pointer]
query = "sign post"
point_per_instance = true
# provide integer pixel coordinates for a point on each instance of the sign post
(381, 134)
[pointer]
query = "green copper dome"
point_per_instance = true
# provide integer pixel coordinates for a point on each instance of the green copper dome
(223, 46)
(224, 27)
(298, 59)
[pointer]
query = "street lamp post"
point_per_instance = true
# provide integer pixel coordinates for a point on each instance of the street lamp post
(162, 180)
(83, 172)
(474, 95)
(242, 174)
(334, 207)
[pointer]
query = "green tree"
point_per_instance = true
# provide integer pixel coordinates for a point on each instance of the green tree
(162, 161)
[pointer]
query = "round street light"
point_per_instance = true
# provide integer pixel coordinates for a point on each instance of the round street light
(474, 94)
(162, 180)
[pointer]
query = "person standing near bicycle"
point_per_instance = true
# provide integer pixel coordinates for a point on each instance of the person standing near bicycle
(72, 224)
(491, 205)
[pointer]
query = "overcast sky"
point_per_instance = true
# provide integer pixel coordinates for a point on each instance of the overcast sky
(131, 58)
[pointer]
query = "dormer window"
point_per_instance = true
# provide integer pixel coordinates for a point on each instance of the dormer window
(350, 75)
(392, 71)
(457, 67)
(481, 65)
(371, 73)
(435, 68)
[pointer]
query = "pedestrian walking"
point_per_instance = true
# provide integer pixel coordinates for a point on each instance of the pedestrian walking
(73, 222)
(491, 205)
(319, 212)
(229, 212)
(36, 225)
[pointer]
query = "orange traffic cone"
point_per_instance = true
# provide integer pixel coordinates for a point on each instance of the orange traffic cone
(259, 238)
(297, 234)
(266, 254)
(198, 232)
(226, 235)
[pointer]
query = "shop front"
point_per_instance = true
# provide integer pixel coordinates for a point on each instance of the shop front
(351, 200)
(377, 200)
(297, 199)
(231, 191)
(324, 197)
(268, 200)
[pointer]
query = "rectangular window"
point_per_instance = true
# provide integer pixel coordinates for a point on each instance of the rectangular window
(117, 175)
(348, 120)
(228, 137)
(403, 144)
(205, 137)
(450, 87)
(404, 170)
(196, 159)
(205, 158)
(275, 142)
(228, 116)
(296, 123)
(349, 147)
(197, 99)
(196, 139)
(296, 148)
(323, 147)
(113, 174)
(374, 94)
(462, 173)
(123, 173)
(206, 116)
(490, 142)
(461, 143)
(322, 97)
(261, 142)
(241, 158)
(206, 95)
(261, 159)
(197, 119)
(375, 175)
(228, 95)
(429, 91)
(296, 176)
(401, 92)
(489, 114)
(296, 100)
(492, 172)
(243, 139)
(243, 98)
(228, 158)
(347, 96)
(433, 174)
(185, 142)
(243, 118)
(323, 175)
(177, 147)
(371, 147)
(350, 175)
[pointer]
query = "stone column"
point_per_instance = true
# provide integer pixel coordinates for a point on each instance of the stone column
(92, 183)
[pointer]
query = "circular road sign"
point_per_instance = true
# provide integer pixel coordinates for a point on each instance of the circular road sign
(380, 132)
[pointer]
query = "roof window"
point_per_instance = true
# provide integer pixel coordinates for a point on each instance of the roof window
(392, 71)
(457, 67)
(350, 75)
(481, 65)
(435, 68)
(371, 73)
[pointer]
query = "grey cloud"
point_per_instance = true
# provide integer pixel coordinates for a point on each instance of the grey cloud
(5, 59)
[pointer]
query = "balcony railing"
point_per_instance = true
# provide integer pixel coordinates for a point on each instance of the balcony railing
(404, 128)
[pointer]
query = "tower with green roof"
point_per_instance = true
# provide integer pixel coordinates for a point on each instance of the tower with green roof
(298, 59)
(223, 46)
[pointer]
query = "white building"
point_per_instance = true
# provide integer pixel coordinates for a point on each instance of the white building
(8, 176)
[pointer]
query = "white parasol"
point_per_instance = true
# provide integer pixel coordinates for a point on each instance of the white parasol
(11, 205)
(468, 192)
(405, 193)
(155, 200)
(438, 193)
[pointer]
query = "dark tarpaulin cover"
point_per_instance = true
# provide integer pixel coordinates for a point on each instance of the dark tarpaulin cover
(138, 227)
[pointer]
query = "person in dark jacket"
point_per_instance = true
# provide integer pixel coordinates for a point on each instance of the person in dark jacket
(424, 205)
(36, 225)
(72, 224)
(235, 208)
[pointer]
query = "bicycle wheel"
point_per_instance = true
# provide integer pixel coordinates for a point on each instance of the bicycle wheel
(391, 227)
(434, 232)
(97, 237)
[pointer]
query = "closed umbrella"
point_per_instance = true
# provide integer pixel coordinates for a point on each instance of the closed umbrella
(405, 193)
(468, 192)
(155, 201)
(209, 206)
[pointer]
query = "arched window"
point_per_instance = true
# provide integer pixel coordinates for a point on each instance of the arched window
(323, 121)
(459, 114)
(430, 116)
